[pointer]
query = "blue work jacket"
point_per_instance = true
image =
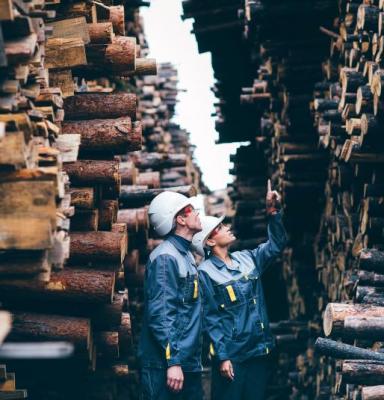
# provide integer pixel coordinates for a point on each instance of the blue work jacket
(171, 330)
(235, 315)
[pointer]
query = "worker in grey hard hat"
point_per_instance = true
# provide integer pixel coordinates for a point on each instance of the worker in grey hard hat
(234, 311)
(170, 343)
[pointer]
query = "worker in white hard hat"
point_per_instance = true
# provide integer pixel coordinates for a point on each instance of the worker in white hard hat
(234, 311)
(170, 343)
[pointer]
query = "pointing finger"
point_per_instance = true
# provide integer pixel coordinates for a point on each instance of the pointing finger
(269, 187)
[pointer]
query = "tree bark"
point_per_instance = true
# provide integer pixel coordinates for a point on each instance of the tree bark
(100, 105)
(340, 350)
(97, 247)
(93, 172)
(336, 313)
(363, 372)
(67, 286)
(100, 135)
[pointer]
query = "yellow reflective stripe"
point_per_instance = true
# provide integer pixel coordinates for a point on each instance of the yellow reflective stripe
(222, 305)
(262, 325)
(195, 289)
(267, 350)
(211, 350)
(254, 301)
(168, 352)
(231, 293)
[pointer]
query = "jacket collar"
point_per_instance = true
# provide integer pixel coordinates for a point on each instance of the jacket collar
(219, 263)
(181, 244)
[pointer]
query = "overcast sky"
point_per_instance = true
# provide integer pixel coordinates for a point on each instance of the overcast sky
(170, 40)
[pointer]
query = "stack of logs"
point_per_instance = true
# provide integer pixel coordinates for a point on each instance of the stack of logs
(340, 155)
(74, 186)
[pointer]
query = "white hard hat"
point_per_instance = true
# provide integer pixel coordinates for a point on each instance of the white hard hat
(163, 209)
(208, 224)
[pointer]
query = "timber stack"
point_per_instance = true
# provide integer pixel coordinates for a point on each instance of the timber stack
(69, 124)
(348, 115)
(314, 124)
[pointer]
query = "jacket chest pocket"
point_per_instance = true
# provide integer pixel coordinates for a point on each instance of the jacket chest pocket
(190, 289)
(230, 295)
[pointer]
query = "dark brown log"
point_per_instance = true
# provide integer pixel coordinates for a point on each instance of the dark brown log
(131, 262)
(100, 135)
(67, 286)
(135, 218)
(83, 197)
(100, 105)
(129, 173)
(90, 171)
(107, 345)
(107, 214)
(363, 372)
(85, 220)
(125, 333)
(42, 327)
(96, 247)
(136, 196)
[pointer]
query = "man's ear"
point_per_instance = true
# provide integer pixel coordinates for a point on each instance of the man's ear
(210, 242)
(180, 220)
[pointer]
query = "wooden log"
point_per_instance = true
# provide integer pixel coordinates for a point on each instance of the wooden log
(100, 135)
(100, 105)
(71, 28)
(364, 327)
(97, 247)
(370, 295)
(64, 53)
(339, 350)
(85, 220)
(372, 392)
(67, 286)
(335, 314)
(129, 173)
(42, 327)
(368, 278)
(118, 56)
(5, 325)
(144, 66)
(117, 17)
(107, 345)
(107, 214)
(150, 179)
(372, 260)
(87, 172)
(101, 33)
(159, 161)
(83, 198)
(138, 196)
(363, 372)
(125, 334)
(131, 262)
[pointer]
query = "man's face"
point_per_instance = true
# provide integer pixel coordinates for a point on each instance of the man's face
(189, 217)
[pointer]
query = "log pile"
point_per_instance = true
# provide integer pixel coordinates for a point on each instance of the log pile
(314, 128)
(87, 140)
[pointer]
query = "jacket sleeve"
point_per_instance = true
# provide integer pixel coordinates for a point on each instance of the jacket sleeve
(267, 252)
(212, 324)
(162, 293)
